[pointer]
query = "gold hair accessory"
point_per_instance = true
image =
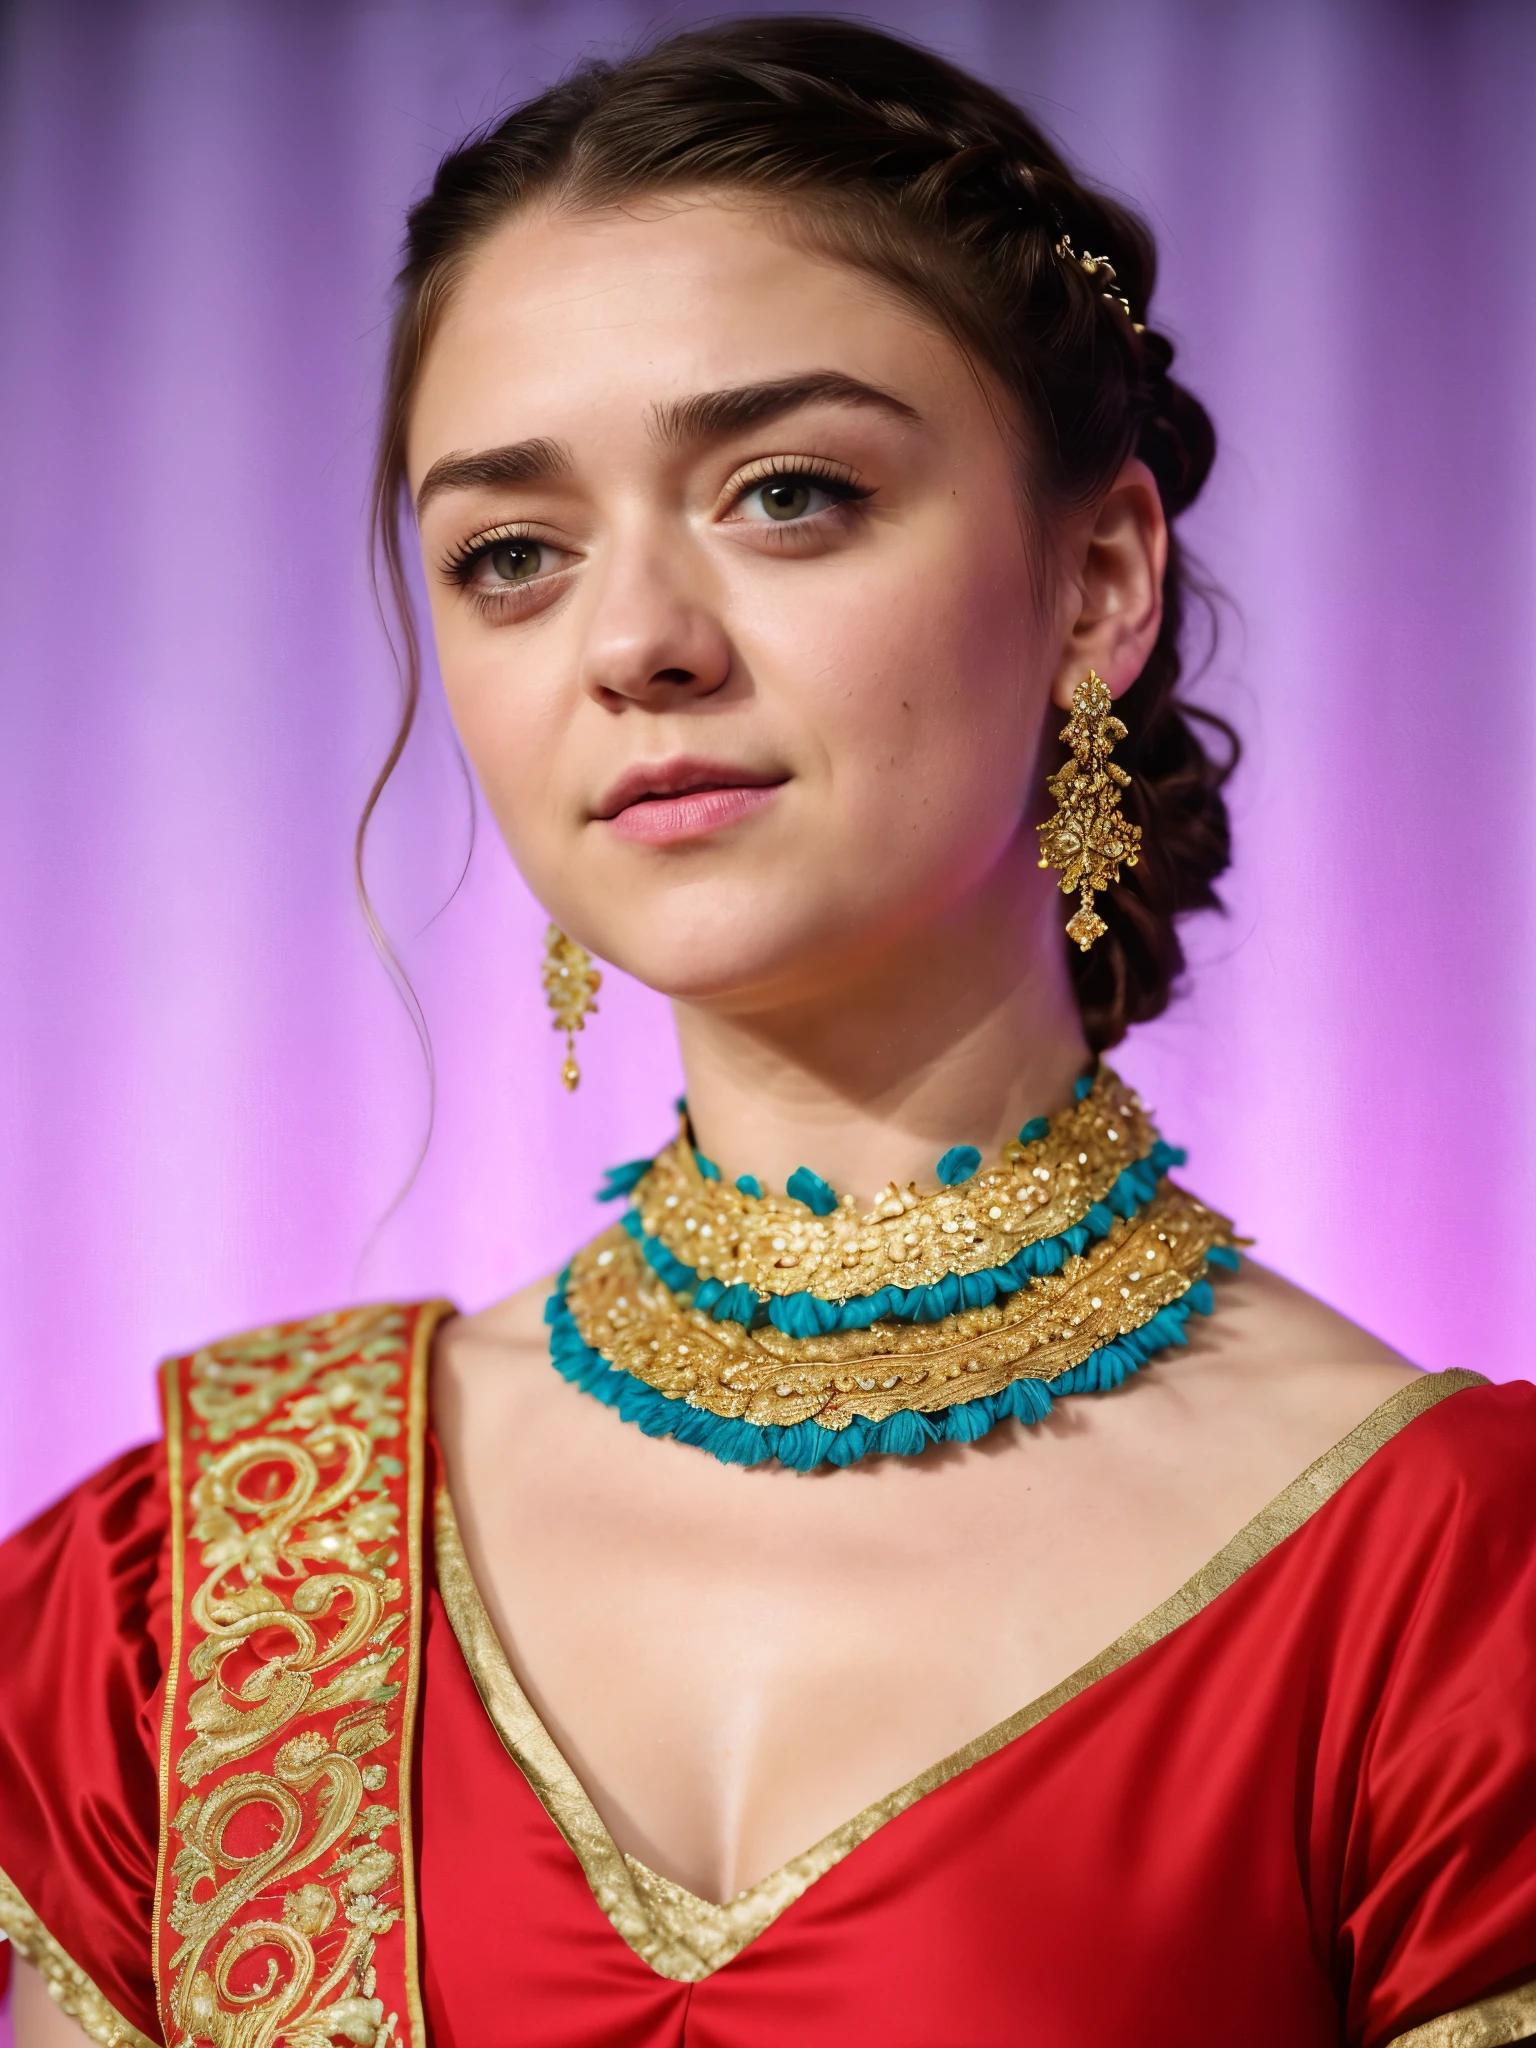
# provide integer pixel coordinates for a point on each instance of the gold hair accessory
(1103, 271)
(571, 984)
(1088, 838)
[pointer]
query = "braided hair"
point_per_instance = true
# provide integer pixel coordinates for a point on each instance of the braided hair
(902, 164)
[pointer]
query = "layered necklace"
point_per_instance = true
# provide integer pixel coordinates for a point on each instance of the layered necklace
(796, 1327)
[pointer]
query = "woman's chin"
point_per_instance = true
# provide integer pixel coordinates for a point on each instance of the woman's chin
(740, 960)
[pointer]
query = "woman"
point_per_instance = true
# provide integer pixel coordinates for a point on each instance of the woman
(793, 461)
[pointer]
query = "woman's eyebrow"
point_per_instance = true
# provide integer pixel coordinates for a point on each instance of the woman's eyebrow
(710, 414)
(519, 462)
(706, 416)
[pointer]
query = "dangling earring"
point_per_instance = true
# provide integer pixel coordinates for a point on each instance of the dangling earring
(1088, 838)
(571, 984)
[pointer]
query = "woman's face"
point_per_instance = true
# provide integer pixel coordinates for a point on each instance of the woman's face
(732, 597)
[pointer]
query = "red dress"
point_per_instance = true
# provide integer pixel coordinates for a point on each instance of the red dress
(1294, 1806)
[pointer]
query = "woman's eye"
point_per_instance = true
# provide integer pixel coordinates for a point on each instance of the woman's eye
(782, 498)
(514, 561)
(493, 568)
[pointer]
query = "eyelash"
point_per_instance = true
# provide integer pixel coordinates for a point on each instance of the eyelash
(461, 560)
(840, 484)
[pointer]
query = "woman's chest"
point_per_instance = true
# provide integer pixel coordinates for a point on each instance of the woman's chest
(1124, 1869)
(736, 1661)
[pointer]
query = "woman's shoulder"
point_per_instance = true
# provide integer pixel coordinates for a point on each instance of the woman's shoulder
(1278, 1370)
(87, 1589)
(1444, 1473)
(91, 1559)
(1282, 1416)
(363, 1355)
(85, 1611)
(1483, 1443)
(118, 1515)
(86, 1584)
(485, 1357)
(1413, 1487)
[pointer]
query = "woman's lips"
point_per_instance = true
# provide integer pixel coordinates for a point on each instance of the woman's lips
(690, 814)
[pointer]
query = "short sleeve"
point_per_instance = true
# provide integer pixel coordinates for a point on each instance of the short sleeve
(1438, 1922)
(84, 1618)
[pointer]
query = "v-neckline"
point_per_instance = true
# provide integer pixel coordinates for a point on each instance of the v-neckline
(686, 1938)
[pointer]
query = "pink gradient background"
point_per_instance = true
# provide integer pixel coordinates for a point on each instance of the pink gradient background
(208, 1091)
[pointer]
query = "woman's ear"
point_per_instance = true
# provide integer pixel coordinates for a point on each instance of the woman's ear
(1116, 576)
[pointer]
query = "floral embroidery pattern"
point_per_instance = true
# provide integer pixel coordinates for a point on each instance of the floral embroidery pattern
(288, 1757)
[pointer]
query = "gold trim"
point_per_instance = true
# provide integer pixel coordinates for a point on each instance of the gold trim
(429, 1320)
(171, 1401)
(555, 1784)
(1508, 2016)
(686, 1938)
(68, 1985)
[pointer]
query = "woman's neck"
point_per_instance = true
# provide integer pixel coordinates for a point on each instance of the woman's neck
(958, 1035)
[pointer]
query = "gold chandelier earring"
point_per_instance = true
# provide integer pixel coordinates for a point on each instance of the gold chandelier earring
(571, 984)
(1088, 837)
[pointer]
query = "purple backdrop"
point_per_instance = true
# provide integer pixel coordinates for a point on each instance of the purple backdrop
(208, 1091)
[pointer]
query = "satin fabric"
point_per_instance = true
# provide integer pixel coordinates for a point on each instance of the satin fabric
(85, 1624)
(1306, 1815)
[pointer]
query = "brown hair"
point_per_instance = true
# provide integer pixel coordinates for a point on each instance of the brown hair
(911, 169)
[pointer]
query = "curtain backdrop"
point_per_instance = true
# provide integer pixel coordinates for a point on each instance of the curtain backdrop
(209, 1093)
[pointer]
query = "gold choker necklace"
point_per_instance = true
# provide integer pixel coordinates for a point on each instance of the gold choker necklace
(777, 1245)
(765, 1325)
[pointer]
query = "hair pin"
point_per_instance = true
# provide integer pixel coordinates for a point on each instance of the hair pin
(1102, 271)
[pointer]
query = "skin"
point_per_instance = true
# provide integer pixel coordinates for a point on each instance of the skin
(906, 724)
(866, 965)
(36, 2021)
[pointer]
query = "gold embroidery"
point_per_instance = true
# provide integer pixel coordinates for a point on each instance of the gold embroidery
(174, 1458)
(68, 1985)
(1491, 2023)
(297, 1527)
(778, 1246)
(375, 1776)
(764, 1376)
(237, 1386)
(686, 1938)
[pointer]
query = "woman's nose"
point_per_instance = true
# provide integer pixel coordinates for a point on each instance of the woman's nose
(655, 633)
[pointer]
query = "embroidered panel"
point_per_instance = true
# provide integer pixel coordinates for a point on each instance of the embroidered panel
(285, 1913)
